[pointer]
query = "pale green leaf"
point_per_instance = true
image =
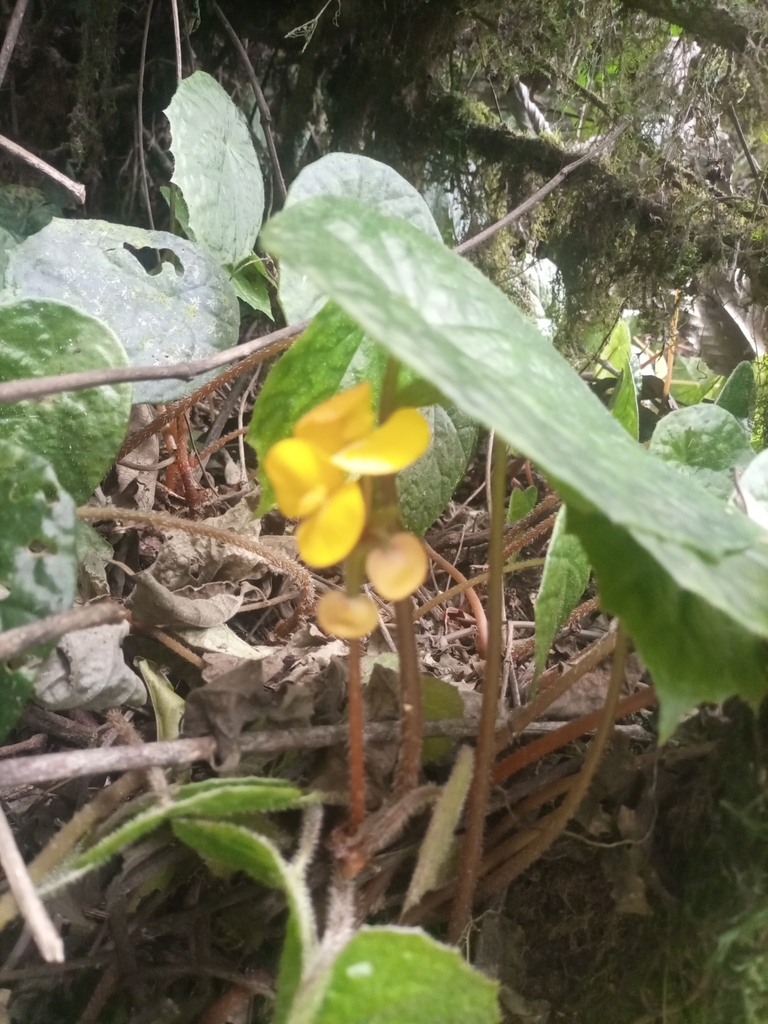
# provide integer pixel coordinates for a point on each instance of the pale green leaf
(355, 177)
(183, 309)
(521, 503)
(216, 168)
(438, 843)
(166, 703)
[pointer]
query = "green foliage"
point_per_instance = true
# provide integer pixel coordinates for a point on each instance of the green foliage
(216, 169)
(183, 308)
(249, 279)
(563, 581)
(401, 976)
(705, 442)
(521, 503)
(78, 432)
(707, 570)
(37, 539)
(738, 394)
(356, 177)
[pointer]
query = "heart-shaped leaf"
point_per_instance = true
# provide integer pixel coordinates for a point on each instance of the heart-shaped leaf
(78, 432)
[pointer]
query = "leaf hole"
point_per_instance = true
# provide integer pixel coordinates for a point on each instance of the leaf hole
(152, 260)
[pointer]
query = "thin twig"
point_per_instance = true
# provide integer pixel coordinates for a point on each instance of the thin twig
(14, 641)
(602, 146)
(264, 111)
(38, 387)
(754, 169)
(177, 40)
(76, 190)
(474, 581)
(25, 771)
(11, 35)
(356, 738)
(481, 640)
(140, 108)
(46, 937)
(477, 801)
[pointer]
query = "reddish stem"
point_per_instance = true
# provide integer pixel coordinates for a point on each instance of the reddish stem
(475, 604)
(411, 712)
(356, 743)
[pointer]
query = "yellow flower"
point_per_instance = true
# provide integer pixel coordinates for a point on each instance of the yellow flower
(310, 472)
(397, 567)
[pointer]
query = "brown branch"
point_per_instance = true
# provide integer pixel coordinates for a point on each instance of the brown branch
(411, 710)
(604, 144)
(75, 190)
(173, 753)
(264, 111)
(38, 387)
(11, 35)
(14, 641)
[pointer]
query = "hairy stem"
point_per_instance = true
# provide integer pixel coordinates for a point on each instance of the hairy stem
(411, 712)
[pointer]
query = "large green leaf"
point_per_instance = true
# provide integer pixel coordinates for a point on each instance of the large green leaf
(37, 539)
(438, 314)
(216, 168)
(705, 442)
(563, 581)
(183, 309)
(355, 177)
(402, 976)
(24, 211)
(738, 394)
(16, 687)
(79, 432)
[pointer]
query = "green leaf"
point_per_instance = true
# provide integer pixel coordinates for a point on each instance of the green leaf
(402, 976)
(250, 286)
(37, 539)
(521, 503)
(426, 487)
(623, 403)
(705, 442)
(166, 703)
(753, 489)
(180, 211)
(216, 168)
(78, 432)
(258, 857)
(355, 177)
(617, 350)
(438, 843)
(15, 690)
(441, 317)
(227, 797)
(738, 394)
(439, 699)
(184, 309)
(563, 581)
(693, 380)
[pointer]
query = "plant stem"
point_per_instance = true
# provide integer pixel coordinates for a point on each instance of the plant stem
(481, 781)
(411, 712)
(356, 742)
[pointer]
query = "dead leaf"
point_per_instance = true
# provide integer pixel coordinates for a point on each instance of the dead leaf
(87, 670)
(588, 693)
(136, 489)
(200, 607)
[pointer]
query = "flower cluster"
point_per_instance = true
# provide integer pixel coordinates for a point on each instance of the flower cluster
(316, 476)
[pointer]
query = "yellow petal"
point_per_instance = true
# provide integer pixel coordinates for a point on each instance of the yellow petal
(398, 567)
(395, 445)
(345, 616)
(345, 418)
(330, 534)
(301, 475)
